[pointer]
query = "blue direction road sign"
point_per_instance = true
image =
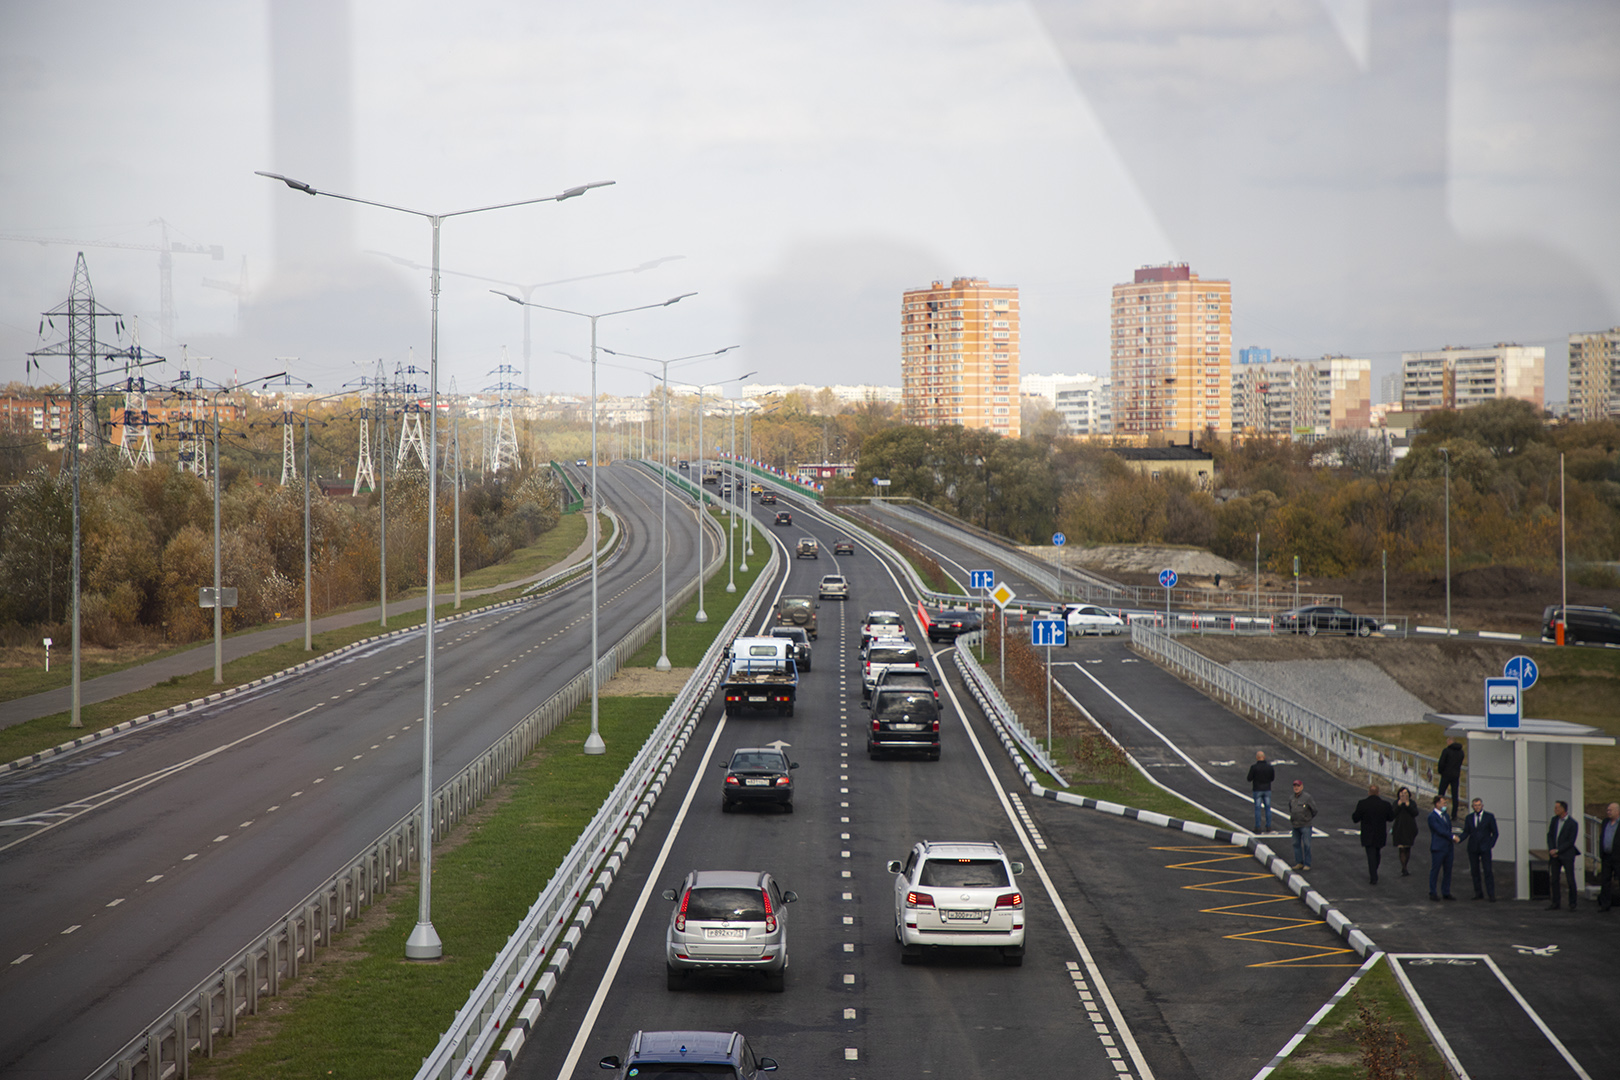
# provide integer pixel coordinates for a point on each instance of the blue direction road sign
(1058, 539)
(1048, 632)
(983, 579)
(1524, 670)
(1502, 703)
(1168, 578)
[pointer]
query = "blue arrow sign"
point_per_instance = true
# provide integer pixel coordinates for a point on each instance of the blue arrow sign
(1523, 669)
(1048, 632)
(983, 579)
(1058, 539)
(1168, 578)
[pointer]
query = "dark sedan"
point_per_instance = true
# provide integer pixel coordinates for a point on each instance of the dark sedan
(758, 774)
(951, 624)
(1323, 619)
(784, 518)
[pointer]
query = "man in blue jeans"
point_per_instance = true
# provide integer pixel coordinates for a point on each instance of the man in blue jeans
(1442, 850)
(1261, 774)
(1301, 812)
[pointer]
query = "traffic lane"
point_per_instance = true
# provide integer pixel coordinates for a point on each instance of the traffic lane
(957, 559)
(1215, 964)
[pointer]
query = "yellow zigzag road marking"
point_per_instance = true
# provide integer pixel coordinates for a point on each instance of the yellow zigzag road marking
(1212, 862)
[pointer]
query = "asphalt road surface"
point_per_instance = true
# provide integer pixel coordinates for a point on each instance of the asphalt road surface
(131, 870)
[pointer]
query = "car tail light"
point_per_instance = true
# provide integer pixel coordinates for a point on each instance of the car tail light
(1012, 900)
(936, 725)
(680, 916)
(770, 915)
(783, 781)
(732, 780)
(875, 728)
(919, 899)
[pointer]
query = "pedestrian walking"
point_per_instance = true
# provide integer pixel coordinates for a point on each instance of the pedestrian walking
(1373, 814)
(1261, 774)
(1403, 829)
(1450, 770)
(1562, 832)
(1479, 837)
(1608, 856)
(1301, 812)
(1442, 850)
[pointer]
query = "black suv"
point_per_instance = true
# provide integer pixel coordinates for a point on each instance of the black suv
(801, 644)
(904, 718)
(704, 1053)
(1594, 625)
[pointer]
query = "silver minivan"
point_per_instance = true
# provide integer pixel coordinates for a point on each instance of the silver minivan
(728, 920)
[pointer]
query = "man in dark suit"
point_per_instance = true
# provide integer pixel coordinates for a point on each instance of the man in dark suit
(1608, 846)
(1562, 832)
(1479, 835)
(1373, 814)
(1442, 850)
(1450, 769)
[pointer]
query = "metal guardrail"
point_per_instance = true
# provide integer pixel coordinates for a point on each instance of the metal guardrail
(212, 1008)
(576, 501)
(1394, 765)
(990, 700)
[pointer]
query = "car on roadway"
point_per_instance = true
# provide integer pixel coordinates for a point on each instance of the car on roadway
(911, 676)
(801, 644)
(807, 549)
(797, 611)
(1594, 625)
(757, 776)
(784, 518)
(581, 463)
(756, 489)
(881, 653)
(683, 465)
(1316, 619)
(843, 547)
(880, 623)
(834, 587)
(727, 921)
(767, 498)
(655, 1054)
(1083, 619)
(951, 623)
(905, 719)
(958, 895)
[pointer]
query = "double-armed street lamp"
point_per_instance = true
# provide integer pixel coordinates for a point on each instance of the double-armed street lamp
(424, 943)
(593, 742)
(663, 663)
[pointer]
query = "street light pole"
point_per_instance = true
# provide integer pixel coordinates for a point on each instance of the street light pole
(593, 742)
(1446, 453)
(424, 943)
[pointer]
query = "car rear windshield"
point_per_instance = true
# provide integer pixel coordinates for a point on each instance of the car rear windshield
(917, 705)
(790, 605)
(895, 655)
(883, 620)
(964, 873)
(746, 905)
(771, 762)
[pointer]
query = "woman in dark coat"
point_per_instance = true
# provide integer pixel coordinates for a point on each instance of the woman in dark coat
(1404, 827)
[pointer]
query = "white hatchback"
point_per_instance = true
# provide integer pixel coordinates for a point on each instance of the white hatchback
(958, 895)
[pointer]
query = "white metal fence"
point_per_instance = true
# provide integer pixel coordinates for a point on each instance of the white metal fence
(989, 697)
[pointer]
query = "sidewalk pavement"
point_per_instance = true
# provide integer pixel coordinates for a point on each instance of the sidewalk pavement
(201, 658)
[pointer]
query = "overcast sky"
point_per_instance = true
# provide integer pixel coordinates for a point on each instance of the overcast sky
(1371, 175)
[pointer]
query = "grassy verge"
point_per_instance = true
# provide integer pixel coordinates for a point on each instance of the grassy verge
(367, 1012)
(1374, 1019)
(44, 732)
(689, 640)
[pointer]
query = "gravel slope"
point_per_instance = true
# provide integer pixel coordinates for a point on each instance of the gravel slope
(1355, 693)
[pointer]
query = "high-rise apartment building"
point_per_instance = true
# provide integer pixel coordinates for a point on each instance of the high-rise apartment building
(1594, 375)
(1302, 399)
(959, 355)
(1460, 377)
(1171, 354)
(1086, 405)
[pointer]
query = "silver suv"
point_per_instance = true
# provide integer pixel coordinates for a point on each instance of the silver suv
(728, 920)
(958, 894)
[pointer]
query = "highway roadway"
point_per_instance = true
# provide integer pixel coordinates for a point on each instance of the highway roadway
(132, 869)
(1125, 976)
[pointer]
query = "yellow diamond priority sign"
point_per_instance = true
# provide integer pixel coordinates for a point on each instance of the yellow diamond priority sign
(1002, 595)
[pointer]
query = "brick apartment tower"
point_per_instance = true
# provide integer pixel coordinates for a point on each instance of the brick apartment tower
(1171, 355)
(1594, 375)
(959, 356)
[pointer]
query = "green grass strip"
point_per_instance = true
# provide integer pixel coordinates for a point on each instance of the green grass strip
(1332, 1052)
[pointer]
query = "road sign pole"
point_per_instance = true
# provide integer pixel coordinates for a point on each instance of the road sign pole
(1049, 753)
(1001, 620)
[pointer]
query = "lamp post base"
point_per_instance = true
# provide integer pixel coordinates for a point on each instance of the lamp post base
(594, 744)
(663, 664)
(423, 944)
(701, 616)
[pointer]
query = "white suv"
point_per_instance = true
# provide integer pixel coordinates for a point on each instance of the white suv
(958, 894)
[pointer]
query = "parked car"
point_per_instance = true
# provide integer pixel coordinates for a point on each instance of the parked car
(807, 549)
(674, 1053)
(952, 623)
(1324, 619)
(757, 775)
(784, 518)
(797, 611)
(834, 587)
(878, 624)
(1595, 625)
(727, 921)
(958, 895)
(801, 643)
(843, 547)
(1090, 619)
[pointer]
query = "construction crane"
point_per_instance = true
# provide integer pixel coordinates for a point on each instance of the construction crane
(166, 252)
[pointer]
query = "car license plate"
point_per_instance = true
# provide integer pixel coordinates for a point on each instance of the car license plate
(908, 727)
(759, 698)
(756, 783)
(711, 933)
(959, 915)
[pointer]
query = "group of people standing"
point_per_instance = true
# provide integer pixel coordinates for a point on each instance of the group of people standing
(1383, 822)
